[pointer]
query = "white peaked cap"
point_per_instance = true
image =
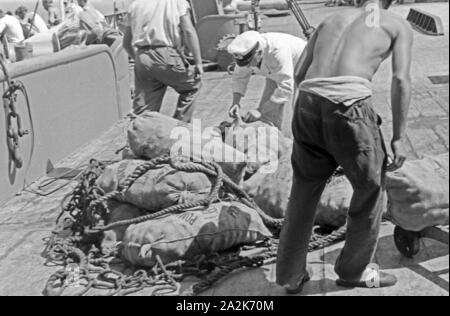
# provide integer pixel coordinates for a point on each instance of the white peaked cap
(244, 43)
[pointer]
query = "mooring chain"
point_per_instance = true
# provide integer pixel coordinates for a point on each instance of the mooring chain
(160, 281)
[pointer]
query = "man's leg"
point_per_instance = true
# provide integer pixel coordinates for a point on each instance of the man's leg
(312, 167)
(359, 149)
(188, 91)
(182, 79)
(272, 114)
(149, 92)
(300, 216)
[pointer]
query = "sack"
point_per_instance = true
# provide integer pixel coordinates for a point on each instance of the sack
(419, 194)
(157, 189)
(335, 203)
(119, 212)
(261, 143)
(200, 231)
(272, 191)
(153, 134)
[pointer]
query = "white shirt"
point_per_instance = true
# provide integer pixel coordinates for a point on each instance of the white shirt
(39, 24)
(12, 28)
(156, 22)
(281, 54)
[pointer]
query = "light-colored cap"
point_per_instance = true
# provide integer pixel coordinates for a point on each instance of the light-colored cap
(244, 44)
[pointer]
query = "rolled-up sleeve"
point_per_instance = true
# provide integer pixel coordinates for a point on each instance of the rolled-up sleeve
(283, 75)
(241, 78)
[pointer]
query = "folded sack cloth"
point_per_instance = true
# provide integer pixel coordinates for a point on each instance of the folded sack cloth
(345, 90)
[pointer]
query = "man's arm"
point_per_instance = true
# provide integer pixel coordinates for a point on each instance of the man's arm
(240, 80)
(401, 92)
(128, 42)
(191, 40)
(306, 59)
(283, 72)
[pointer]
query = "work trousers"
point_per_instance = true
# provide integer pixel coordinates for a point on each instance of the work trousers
(327, 135)
(159, 68)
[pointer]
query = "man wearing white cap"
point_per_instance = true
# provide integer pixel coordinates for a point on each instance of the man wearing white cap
(274, 56)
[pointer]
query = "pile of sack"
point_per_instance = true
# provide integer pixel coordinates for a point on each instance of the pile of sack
(222, 225)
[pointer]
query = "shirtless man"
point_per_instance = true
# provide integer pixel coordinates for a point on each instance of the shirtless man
(335, 124)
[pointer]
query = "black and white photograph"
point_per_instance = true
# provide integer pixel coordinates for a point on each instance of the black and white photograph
(227, 154)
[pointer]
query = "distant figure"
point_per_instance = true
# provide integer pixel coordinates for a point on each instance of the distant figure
(53, 18)
(72, 12)
(26, 18)
(153, 38)
(11, 28)
(89, 7)
(334, 125)
(90, 17)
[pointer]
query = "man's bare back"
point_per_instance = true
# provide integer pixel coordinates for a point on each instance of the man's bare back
(356, 44)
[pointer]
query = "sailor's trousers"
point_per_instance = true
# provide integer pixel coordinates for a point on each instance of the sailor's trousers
(156, 69)
(328, 135)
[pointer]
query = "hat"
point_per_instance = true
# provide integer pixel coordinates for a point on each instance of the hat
(244, 47)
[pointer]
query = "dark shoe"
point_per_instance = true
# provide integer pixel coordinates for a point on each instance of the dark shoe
(299, 288)
(385, 280)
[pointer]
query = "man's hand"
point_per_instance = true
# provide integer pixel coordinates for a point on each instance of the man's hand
(252, 116)
(233, 112)
(198, 69)
(399, 151)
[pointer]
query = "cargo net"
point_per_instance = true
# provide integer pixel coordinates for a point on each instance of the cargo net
(86, 270)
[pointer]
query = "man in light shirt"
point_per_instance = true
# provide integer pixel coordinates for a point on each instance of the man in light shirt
(11, 28)
(27, 18)
(153, 38)
(274, 56)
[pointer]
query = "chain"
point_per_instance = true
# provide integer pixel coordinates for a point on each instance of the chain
(14, 126)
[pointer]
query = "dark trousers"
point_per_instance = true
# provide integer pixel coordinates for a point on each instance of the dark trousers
(159, 68)
(327, 135)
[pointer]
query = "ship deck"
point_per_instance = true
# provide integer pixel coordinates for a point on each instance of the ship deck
(26, 221)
